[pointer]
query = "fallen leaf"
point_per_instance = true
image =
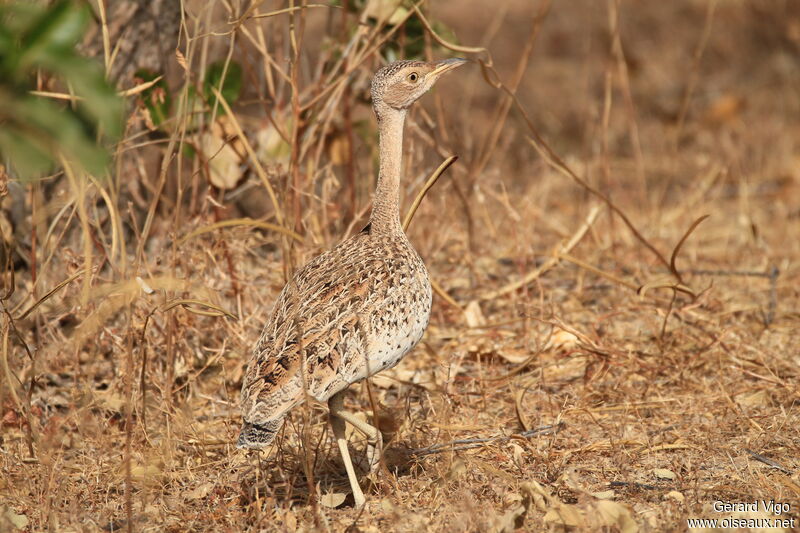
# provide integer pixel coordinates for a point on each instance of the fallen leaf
(332, 499)
(473, 315)
(223, 161)
(563, 340)
(612, 514)
(564, 515)
(674, 495)
(514, 355)
(17, 521)
(556, 513)
(199, 492)
(759, 398)
(663, 473)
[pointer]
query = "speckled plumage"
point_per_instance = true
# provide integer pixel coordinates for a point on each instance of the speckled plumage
(356, 309)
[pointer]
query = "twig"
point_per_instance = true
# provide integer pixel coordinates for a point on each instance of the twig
(425, 188)
(634, 484)
(767, 461)
(466, 444)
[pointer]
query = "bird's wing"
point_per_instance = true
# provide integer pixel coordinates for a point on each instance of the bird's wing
(317, 314)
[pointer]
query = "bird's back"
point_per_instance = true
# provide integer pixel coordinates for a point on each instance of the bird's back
(352, 311)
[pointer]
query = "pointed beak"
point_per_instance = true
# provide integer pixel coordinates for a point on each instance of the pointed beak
(446, 66)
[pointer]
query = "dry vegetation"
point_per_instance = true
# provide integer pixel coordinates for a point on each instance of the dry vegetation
(137, 297)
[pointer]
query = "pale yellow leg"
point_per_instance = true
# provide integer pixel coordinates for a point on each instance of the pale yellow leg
(335, 405)
(375, 439)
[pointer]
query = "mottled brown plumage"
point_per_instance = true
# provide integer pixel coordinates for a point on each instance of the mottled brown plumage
(354, 310)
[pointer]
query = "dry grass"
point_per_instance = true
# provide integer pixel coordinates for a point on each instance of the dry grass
(138, 297)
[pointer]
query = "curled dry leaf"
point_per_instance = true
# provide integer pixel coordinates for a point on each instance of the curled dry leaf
(223, 161)
(674, 495)
(332, 499)
(9, 516)
(473, 315)
(199, 492)
(563, 340)
(759, 398)
(614, 515)
(663, 473)
(388, 10)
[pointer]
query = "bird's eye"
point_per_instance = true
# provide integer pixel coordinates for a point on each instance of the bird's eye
(413, 77)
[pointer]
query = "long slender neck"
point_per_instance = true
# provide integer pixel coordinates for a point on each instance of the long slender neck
(385, 217)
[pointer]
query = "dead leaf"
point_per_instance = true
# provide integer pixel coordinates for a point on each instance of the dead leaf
(563, 340)
(223, 161)
(759, 398)
(473, 315)
(663, 473)
(199, 492)
(512, 519)
(333, 499)
(556, 513)
(519, 454)
(611, 514)
(675, 495)
(514, 355)
(272, 147)
(181, 59)
(564, 515)
(17, 521)
(388, 10)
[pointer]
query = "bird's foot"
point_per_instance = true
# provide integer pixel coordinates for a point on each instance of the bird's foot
(374, 451)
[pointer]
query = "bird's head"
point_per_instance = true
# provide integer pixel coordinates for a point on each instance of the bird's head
(400, 84)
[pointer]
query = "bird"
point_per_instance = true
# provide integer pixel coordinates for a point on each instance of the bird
(355, 309)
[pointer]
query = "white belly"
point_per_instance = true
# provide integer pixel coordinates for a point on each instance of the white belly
(395, 331)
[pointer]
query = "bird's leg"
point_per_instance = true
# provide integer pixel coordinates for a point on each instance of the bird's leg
(374, 437)
(335, 406)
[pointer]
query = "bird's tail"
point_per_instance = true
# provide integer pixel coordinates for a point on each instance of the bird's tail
(256, 436)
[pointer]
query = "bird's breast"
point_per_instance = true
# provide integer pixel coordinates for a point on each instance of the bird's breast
(397, 325)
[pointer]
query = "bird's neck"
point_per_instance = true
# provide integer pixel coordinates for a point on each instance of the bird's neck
(385, 218)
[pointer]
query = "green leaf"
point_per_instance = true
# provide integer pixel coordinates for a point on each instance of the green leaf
(230, 87)
(16, 17)
(35, 131)
(27, 158)
(57, 29)
(157, 99)
(43, 123)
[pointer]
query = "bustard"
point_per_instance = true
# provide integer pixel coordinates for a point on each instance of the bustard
(354, 310)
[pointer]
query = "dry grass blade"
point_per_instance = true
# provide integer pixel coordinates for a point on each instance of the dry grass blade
(12, 387)
(140, 87)
(678, 246)
(589, 268)
(49, 294)
(190, 304)
(548, 155)
(442, 41)
(283, 11)
(551, 262)
(233, 222)
(425, 188)
(262, 175)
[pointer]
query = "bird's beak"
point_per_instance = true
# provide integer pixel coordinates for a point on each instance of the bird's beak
(446, 65)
